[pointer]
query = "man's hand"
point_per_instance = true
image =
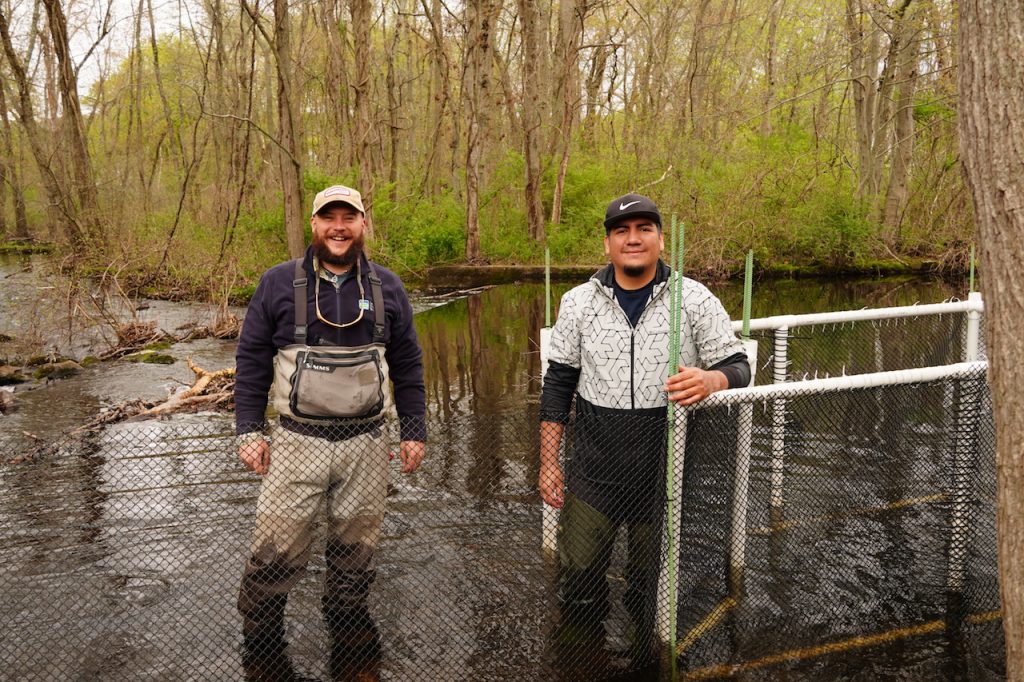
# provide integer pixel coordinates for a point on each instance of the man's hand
(691, 385)
(255, 455)
(552, 485)
(411, 453)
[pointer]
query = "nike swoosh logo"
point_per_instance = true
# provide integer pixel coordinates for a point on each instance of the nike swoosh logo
(623, 207)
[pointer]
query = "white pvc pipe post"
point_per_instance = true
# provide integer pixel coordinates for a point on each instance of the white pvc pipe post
(780, 366)
(973, 341)
(549, 515)
(741, 484)
(667, 601)
(864, 314)
(964, 440)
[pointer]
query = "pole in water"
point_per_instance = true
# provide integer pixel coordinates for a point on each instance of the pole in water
(748, 285)
(547, 286)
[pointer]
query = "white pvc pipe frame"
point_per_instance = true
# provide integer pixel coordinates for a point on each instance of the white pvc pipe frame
(745, 398)
(777, 393)
(972, 304)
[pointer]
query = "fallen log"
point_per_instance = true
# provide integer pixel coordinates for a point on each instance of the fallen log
(210, 390)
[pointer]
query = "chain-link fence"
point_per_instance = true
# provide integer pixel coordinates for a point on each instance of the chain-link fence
(844, 534)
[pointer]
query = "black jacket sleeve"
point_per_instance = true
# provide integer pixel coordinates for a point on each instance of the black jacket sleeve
(405, 365)
(254, 363)
(559, 388)
(736, 369)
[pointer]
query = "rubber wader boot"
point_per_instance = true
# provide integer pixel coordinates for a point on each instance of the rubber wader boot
(355, 640)
(263, 626)
(269, 668)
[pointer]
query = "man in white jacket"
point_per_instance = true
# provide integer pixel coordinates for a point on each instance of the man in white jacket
(610, 352)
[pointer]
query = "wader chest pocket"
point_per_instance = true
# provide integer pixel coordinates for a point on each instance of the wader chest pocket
(337, 385)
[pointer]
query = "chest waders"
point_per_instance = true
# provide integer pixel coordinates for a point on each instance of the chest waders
(332, 385)
(329, 388)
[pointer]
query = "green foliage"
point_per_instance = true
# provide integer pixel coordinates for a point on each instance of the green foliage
(266, 228)
(928, 108)
(418, 233)
(579, 237)
(833, 231)
(26, 247)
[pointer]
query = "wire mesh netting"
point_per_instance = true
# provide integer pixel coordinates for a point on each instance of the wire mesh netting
(861, 347)
(853, 539)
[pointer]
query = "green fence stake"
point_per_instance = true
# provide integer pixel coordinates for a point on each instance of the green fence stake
(675, 323)
(748, 285)
(970, 284)
(547, 287)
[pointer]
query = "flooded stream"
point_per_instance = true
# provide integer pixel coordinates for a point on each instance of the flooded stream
(122, 552)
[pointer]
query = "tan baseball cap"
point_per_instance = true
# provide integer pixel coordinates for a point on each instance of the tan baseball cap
(338, 193)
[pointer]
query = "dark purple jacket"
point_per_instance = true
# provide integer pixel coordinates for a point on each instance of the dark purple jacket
(270, 325)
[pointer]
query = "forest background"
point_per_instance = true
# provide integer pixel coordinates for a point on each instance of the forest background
(179, 145)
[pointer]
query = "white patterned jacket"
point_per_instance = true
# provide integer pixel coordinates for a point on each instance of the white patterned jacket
(617, 374)
(624, 367)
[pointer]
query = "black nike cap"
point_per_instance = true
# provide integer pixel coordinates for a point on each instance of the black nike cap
(630, 206)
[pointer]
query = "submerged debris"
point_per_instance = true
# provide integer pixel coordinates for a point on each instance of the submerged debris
(210, 390)
(133, 337)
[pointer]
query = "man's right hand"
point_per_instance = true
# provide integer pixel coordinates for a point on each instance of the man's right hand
(255, 455)
(552, 485)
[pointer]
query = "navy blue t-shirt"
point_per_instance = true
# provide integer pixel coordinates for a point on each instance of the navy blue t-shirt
(633, 301)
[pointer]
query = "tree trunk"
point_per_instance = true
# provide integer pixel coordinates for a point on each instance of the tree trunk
(477, 84)
(531, 120)
(336, 85)
(697, 70)
(991, 126)
(85, 180)
(570, 32)
(291, 155)
(363, 86)
(394, 103)
(11, 167)
(903, 131)
(863, 38)
(594, 84)
(440, 89)
(774, 10)
(58, 201)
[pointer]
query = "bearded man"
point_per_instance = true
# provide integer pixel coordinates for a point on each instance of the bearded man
(323, 335)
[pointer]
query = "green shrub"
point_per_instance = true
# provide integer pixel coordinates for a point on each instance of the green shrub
(833, 230)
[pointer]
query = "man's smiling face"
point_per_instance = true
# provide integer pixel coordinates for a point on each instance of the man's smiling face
(338, 234)
(634, 246)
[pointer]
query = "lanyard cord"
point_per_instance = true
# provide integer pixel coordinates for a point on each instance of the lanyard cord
(316, 298)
